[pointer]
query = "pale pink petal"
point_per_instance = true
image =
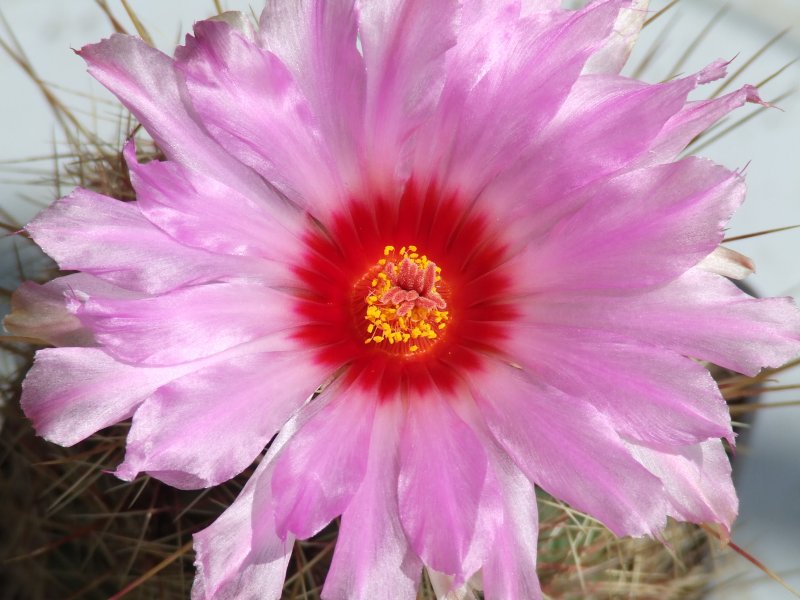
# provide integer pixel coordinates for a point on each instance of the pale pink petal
(591, 143)
(618, 48)
(372, 560)
(201, 212)
(444, 587)
(695, 118)
(697, 480)
(250, 103)
(114, 241)
(481, 129)
(404, 45)
(70, 393)
(47, 312)
(184, 433)
(146, 82)
(565, 445)
(672, 217)
(699, 314)
(188, 323)
(322, 466)
(727, 262)
(510, 572)
(448, 497)
(317, 43)
(240, 557)
(650, 394)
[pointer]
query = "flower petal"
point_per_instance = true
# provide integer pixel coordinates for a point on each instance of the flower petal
(46, 312)
(618, 48)
(201, 212)
(188, 323)
(647, 227)
(481, 129)
(649, 394)
(208, 426)
(322, 466)
(729, 263)
(697, 480)
(70, 393)
(317, 43)
(146, 82)
(404, 45)
(570, 449)
(372, 560)
(699, 314)
(118, 244)
(240, 557)
(250, 103)
(448, 498)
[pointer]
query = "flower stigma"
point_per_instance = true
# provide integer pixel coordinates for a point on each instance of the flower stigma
(405, 311)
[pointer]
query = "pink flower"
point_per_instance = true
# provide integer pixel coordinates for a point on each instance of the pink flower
(463, 223)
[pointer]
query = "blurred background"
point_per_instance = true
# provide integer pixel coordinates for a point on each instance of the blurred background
(768, 145)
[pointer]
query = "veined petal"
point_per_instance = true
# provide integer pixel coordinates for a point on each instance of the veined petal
(118, 244)
(70, 393)
(251, 104)
(634, 384)
(373, 560)
(700, 314)
(182, 434)
(448, 497)
(697, 480)
(47, 312)
(495, 125)
(240, 556)
(673, 217)
(404, 45)
(322, 466)
(317, 43)
(618, 48)
(570, 449)
(189, 323)
(201, 212)
(146, 82)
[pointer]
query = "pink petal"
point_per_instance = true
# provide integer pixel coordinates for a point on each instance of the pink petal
(404, 45)
(208, 426)
(531, 65)
(70, 393)
(322, 466)
(202, 212)
(250, 103)
(590, 143)
(372, 558)
(118, 244)
(647, 227)
(188, 323)
(618, 48)
(510, 572)
(240, 557)
(146, 82)
(695, 118)
(570, 449)
(697, 480)
(317, 43)
(649, 394)
(448, 498)
(47, 311)
(699, 314)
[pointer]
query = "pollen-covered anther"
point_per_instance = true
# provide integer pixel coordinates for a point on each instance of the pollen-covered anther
(404, 306)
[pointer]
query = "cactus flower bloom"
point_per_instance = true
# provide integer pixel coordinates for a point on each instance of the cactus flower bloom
(460, 225)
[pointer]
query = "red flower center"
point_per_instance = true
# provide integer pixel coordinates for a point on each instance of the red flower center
(393, 317)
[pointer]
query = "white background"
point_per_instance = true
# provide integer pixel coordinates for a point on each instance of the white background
(769, 476)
